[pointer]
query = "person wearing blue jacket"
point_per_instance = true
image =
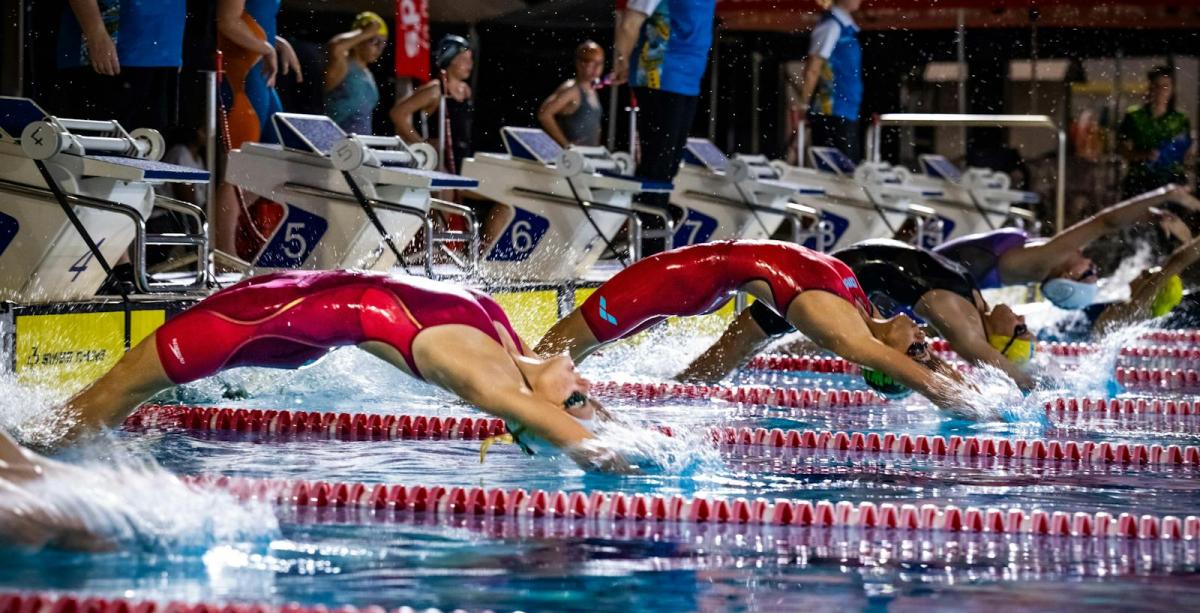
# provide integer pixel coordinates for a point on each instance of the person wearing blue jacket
(831, 88)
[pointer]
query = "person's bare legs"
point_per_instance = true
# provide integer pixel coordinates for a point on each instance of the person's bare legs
(571, 334)
(110, 399)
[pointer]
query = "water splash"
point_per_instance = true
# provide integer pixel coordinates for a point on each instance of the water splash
(32, 412)
(112, 499)
(686, 451)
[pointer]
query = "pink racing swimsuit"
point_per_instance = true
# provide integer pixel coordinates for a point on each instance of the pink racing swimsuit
(698, 279)
(289, 319)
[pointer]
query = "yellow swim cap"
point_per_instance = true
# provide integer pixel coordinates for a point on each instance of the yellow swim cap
(1019, 350)
(1168, 297)
(366, 18)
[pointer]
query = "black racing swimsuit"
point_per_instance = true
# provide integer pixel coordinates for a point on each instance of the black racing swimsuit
(894, 276)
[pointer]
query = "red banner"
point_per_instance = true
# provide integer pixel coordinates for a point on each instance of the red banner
(412, 39)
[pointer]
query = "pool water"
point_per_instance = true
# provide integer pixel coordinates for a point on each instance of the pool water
(356, 557)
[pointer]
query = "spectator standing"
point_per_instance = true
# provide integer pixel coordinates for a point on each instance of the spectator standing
(661, 49)
(831, 87)
(253, 52)
(454, 61)
(572, 114)
(350, 90)
(1155, 138)
(120, 60)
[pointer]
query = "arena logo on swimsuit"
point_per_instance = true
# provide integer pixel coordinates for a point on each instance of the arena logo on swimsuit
(604, 314)
(850, 282)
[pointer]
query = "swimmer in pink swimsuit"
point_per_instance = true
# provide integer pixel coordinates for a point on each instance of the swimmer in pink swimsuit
(818, 294)
(453, 337)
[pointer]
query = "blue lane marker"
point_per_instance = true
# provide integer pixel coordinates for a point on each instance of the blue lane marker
(604, 314)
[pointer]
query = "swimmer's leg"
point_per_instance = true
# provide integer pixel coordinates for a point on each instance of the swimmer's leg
(136, 377)
(571, 334)
(748, 334)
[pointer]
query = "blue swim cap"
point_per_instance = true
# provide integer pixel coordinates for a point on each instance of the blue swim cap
(1069, 294)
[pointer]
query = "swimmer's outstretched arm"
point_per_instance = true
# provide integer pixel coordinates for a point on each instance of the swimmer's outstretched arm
(481, 372)
(837, 325)
(1138, 307)
(959, 323)
(1035, 262)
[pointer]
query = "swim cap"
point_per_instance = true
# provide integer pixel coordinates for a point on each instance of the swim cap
(884, 384)
(366, 18)
(449, 48)
(1068, 294)
(1017, 350)
(1168, 297)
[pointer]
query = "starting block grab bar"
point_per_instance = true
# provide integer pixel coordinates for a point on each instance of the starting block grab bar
(471, 235)
(794, 214)
(633, 222)
(142, 239)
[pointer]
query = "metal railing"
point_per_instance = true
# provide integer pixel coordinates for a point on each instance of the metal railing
(634, 223)
(961, 120)
(141, 238)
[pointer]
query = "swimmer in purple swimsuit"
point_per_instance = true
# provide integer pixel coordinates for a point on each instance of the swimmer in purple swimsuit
(1009, 257)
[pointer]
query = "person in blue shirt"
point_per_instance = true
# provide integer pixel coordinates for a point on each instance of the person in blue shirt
(831, 88)
(120, 59)
(661, 50)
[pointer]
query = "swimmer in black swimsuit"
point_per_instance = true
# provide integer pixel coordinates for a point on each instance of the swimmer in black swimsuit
(898, 279)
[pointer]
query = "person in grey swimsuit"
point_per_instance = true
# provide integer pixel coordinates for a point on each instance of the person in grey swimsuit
(572, 114)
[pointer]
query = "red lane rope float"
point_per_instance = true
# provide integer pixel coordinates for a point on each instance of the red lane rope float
(1173, 336)
(1123, 406)
(1172, 379)
(832, 365)
(677, 508)
(12, 602)
(360, 426)
(1014, 556)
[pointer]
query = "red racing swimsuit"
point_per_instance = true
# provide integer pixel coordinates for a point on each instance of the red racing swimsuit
(698, 279)
(289, 319)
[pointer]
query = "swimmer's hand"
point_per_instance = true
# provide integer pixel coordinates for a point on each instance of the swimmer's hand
(593, 457)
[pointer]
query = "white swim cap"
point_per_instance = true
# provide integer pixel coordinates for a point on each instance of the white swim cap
(1069, 294)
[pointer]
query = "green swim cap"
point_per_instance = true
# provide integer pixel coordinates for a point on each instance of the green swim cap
(1168, 297)
(884, 384)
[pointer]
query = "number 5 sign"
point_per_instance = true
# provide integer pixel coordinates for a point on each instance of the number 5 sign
(412, 39)
(293, 240)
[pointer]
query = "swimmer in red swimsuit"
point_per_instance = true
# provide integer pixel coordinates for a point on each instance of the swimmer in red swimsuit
(816, 293)
(456, 338)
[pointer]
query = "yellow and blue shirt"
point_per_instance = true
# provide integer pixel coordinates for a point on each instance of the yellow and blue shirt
(672, 51)
(147, 33)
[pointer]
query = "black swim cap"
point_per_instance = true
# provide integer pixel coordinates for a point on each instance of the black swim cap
(884, 384)
(449, 48)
